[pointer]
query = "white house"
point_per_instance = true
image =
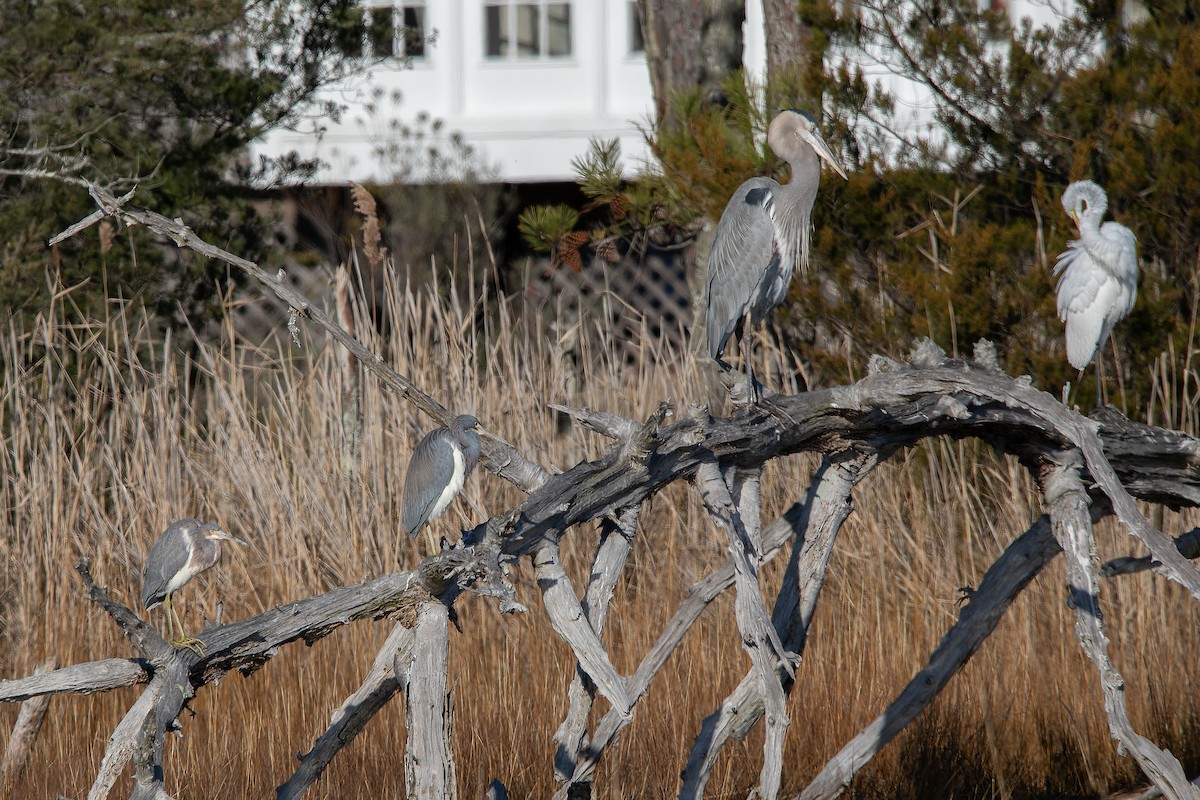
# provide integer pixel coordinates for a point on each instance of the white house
(526, 82)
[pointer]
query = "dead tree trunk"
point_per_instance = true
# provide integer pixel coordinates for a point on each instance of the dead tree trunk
(429, 759)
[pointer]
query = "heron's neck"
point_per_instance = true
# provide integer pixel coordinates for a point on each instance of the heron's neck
(795, 200)
(1090, 220)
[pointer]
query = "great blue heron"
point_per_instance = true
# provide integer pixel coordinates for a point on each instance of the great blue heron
(439, 467)
(1098, 283)
(763, 232)
(184, 550)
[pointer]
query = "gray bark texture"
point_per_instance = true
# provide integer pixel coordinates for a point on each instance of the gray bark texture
(428, 713)
(787, 50)
(720, 46)
(853, 427)
(671, 32)
(25, 730)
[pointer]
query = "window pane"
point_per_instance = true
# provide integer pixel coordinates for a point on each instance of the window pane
(497, 37)
(636, 43)
(414, 31)
(527, 31)
(352, 33)
(558, 29)
(381, 32)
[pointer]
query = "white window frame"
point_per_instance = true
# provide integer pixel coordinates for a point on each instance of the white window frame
(631, 24)
(399, 37)
(509, 8)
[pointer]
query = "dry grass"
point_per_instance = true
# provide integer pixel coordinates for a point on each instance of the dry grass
(109, 434)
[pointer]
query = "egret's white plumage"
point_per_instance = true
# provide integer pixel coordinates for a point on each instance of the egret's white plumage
(1097, 283)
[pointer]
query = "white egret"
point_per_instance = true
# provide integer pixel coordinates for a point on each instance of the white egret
(1098, 272)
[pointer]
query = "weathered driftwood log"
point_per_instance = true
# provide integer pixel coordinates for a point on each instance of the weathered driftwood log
(616, 540)
(25, 731)
(380, 685)
(1072, 526)
(247, 644)
(895, 406)
(825, 509)
(429, 759)
(1019, 564)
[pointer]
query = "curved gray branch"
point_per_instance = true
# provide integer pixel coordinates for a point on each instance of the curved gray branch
(824, 510)
(1072, 528)
(1020, 563)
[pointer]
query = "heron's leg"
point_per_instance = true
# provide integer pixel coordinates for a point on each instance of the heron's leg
(195, 645)
(1100, 377)
(747, 363)
(170, 619)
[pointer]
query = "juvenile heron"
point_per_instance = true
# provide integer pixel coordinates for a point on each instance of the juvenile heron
(763, 232)
(439, 467)
(183, 551)
(1098, 273)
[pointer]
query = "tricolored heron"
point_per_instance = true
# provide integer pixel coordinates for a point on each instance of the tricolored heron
(440, 465)
(184, 550)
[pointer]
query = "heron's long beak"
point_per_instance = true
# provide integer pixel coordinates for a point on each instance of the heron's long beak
(228, 538)
(489, 435)
(817, 142)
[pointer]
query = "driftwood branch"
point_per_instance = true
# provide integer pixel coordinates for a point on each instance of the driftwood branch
(94, 676)
(759, 637)
(698, 597)
(1072, 527)
(894, 407)
(616, 541)
(916, 401)
(429, 760)
(1187, 544)
(567, 617)
(25, 731)
(499, 457)
(1020, 563)
(823, 512)
(355, 712)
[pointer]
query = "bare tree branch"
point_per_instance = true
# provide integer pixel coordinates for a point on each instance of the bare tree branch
(894, 407)
(1072, 527)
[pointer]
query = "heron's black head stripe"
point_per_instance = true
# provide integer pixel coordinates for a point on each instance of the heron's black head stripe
(759, 197)
(807, 115)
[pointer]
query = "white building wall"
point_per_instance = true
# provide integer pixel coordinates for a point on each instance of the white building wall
(526, 118)
(529, 119)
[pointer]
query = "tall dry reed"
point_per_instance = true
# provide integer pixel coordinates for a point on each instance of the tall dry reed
(110, 432)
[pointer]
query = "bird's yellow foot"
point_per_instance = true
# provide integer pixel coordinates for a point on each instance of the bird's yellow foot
(195, 645)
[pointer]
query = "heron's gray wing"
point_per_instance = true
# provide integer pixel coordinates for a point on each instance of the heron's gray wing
(429, 472)
(741, 252)
(167, 556)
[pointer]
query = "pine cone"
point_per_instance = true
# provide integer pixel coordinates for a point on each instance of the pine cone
(609, 251)
(619, 207)
(571, 259)
(574, 240)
